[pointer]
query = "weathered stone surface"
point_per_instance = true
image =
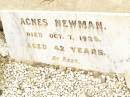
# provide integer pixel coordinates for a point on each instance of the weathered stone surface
(75, 5)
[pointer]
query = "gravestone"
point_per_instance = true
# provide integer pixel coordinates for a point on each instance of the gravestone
(85, 40)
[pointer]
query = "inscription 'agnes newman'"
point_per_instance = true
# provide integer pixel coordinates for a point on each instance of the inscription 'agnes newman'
(81, 24)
